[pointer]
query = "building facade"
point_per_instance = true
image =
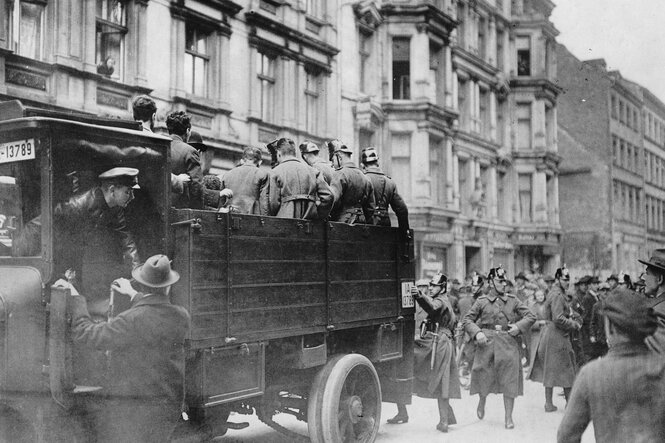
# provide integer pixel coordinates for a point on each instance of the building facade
(612, 139)
(458, 96)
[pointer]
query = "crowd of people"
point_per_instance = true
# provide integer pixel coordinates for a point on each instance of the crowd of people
(600, 341)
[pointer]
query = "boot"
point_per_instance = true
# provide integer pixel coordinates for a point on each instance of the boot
(401, 417)
(549, 405)
(566, 393)
(443, 414)
(508, 403)
(481, 407)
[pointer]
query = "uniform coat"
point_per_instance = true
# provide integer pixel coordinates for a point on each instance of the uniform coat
(591, 350)
(325, 169)
(147, 366)
(354, 195)
(385, 194)
(298, 191)
(622, 393)
(185, 160)
(656, 342)
(539, 310)
(249, 184)
(496, 366)
(442, 381)
(555, 363)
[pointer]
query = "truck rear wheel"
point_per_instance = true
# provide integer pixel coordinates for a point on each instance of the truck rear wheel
(345, 401)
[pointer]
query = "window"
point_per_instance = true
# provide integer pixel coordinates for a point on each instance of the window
(436, 74)
(313, 8)
(499, 50)
(312, 102)
(483, 112)
(524, 126)
(615, 150)
(401, 68)
(27, 26)
(500, 122)
(364, 52)
(636, 160)
(482, 42)
(111, 28)
(196, 60)
(622, 112)
(501, 203)
(265, 71)
(524, 182)
(613, 107)
(436, 172)
(461, 26)
(401, 163)
(462, 87)
(523, 45)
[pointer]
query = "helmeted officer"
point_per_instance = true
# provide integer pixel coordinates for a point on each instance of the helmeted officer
(385, 192)
(494, 321)
(310, 153)
(353, 192)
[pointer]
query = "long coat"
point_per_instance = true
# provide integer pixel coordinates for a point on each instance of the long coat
(496, 366)
(539, 309)
(354, 195)
(297, 190)
(656, 342)
(385, 195)
(554, 363)
(249, 184)
(325, 169)
(147, 366)
(185, 160)
(441, 381)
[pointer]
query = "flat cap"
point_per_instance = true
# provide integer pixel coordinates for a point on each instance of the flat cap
(122, 176)
(630, 312)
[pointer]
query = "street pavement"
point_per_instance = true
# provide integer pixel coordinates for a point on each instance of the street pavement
(532, 423)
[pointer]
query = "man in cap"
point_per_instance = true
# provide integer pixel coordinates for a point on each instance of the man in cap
(435, 366)
(92, 223)
(554, 361)
(145, 388)
(520, 284)
(248, 182)
(310, 153)
(185, 160)
(297, 190)
(494, 320)
(385, 192)
(613, 281)
(654, 287)
(353, 192)
(591, 349)
(621, 393)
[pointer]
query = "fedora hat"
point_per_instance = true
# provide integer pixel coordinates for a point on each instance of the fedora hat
(196, 141)
(657, 259)
(156, 272)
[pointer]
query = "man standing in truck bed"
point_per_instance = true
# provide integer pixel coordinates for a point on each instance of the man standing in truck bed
(353, 192)
(385, 192)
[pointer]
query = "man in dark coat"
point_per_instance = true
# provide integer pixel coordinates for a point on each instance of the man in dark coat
(621, 393)
(249, 184)
(494, 321)
(654, 287)
(385, 192)
(591, 349)
(435, 366)
(353, 192)
(297, 190)
(145, 391)
(185, 160)
(310, 153)
(554, 362)
(90, 225)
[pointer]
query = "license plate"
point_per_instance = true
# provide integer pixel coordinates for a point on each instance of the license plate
(17, 150)
(407, 297)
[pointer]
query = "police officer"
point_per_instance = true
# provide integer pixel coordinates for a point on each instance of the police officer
(385, 192)
(494, 321)
(310, 153)
(353, 192)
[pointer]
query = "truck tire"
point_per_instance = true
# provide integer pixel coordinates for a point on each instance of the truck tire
(345, 401)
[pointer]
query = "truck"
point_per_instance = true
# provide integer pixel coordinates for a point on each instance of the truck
(314, 319)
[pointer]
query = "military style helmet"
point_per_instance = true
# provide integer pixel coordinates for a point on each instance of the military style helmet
(307, 147)
(497, 272)
(335, 146)
(439, 279)
(562, 273)
(369, 155)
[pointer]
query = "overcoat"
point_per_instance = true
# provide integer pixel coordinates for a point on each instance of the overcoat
(297, 190)
(249, 184)
(326, 170)
(185, 160)
(146, 370)
(656, 342)
(386, 195)
(496, 366)
(354, 195)
(555, 363)
(537, 328)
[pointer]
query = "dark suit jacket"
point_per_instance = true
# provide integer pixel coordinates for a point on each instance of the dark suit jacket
(185, 159)
(250, 188)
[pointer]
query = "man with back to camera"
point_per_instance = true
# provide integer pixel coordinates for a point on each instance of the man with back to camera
(385, 192)
(296, 190)
(352, 190)
(185, 160)
(310, 153)
(145, 391)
